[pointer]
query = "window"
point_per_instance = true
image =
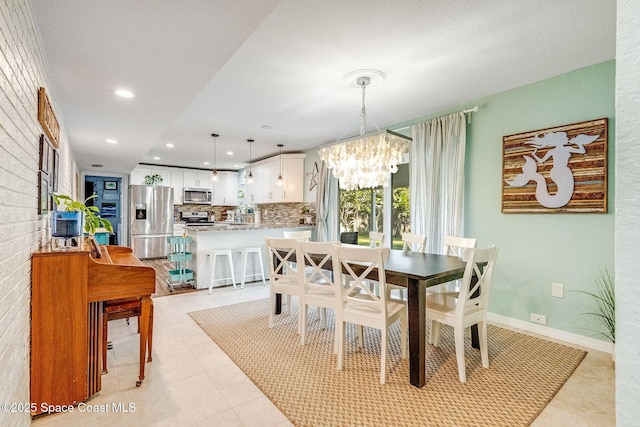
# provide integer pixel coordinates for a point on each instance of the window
(400, 214)
(363, 210)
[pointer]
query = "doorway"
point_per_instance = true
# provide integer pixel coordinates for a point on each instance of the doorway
(108, 191)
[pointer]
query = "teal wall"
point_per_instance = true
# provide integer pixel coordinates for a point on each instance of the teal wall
(537, 249)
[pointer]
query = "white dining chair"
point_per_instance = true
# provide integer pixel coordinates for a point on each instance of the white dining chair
(413, 242)
(303, 235)
(454, 246)
(361, 306)
(282, 278)
(318, 287)
(469, 308)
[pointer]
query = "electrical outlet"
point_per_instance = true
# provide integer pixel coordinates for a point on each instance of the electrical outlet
(539, 318)
(557, 290)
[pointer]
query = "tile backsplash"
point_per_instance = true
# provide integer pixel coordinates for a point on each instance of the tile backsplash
(274, 213)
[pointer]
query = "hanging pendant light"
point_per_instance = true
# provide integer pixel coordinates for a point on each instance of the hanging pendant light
(280, 176)
(215, 155)
(369, 160)
(250, 176)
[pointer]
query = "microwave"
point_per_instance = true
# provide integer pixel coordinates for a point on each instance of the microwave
(199, 196)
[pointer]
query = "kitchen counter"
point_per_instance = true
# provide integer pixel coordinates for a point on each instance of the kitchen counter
(229, 226)
(232, 236)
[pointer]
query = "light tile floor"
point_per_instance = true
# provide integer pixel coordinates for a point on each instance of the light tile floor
(191, 382)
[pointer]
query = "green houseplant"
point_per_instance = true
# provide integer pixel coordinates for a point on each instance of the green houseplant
(65, 205)
(154, 179)
(604, 305)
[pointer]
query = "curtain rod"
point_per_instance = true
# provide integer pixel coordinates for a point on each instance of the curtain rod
(470, 110)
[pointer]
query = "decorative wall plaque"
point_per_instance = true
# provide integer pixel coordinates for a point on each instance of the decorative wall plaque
(556, 170)
(47, 118)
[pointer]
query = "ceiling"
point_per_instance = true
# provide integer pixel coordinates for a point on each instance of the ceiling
(273, 70)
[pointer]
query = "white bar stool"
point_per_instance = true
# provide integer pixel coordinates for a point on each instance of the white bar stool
(212, 256)
(244, 253)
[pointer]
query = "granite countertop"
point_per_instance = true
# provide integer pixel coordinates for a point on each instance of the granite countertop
(231, 226)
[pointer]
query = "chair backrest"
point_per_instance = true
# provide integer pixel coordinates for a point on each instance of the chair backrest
(480, 262)
(349, 237)
(351, 267)
(300, 235)
(454, 244)
(414, 242)
(281, 253)
(317, 271)
(375, 239)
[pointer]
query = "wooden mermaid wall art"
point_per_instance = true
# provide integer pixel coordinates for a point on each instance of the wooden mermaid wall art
(558, 170)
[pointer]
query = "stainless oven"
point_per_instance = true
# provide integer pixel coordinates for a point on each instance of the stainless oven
(199, 196)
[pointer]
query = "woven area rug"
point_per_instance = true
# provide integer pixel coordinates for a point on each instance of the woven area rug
(302, 381)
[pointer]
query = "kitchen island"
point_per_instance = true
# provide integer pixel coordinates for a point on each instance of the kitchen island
(232, 236)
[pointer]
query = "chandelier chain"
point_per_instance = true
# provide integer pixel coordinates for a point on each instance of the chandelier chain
(363, 116)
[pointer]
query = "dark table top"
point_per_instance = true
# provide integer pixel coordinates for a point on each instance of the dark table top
(431, 268)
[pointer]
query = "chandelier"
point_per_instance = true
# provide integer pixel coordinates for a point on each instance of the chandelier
(368, 160)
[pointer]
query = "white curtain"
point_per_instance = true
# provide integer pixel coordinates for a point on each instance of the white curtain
(326, 191)
(437, 179)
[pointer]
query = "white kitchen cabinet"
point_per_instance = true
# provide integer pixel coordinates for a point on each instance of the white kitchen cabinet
(177, 183)
(197, 179)
(257, 192)
(293, 178)
(265, 188)
(138, 174)
(225, 189)
(264, 182)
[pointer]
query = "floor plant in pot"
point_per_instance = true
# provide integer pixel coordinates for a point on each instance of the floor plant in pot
(70, 215)
(603, 306)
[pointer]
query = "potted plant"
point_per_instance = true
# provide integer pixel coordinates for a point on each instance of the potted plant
(71, 217)
(604, 305)
(154, 179)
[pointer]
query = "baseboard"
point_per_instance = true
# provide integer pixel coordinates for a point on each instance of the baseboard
(548, 332)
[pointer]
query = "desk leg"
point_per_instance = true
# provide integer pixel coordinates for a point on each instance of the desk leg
(417, 331)
(145, 323)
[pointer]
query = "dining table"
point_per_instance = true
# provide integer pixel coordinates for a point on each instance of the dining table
(417, 271)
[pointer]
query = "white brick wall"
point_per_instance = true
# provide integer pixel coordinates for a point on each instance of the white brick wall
(22, 230)
(627, 246)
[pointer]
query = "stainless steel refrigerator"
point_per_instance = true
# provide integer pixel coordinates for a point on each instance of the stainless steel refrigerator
(151, 220)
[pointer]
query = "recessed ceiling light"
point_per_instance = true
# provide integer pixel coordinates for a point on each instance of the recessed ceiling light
(124, 93)
(236, 166)
(156, 158)
(113, 141)
(169, 145)
(229, 153)
(206, 163)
